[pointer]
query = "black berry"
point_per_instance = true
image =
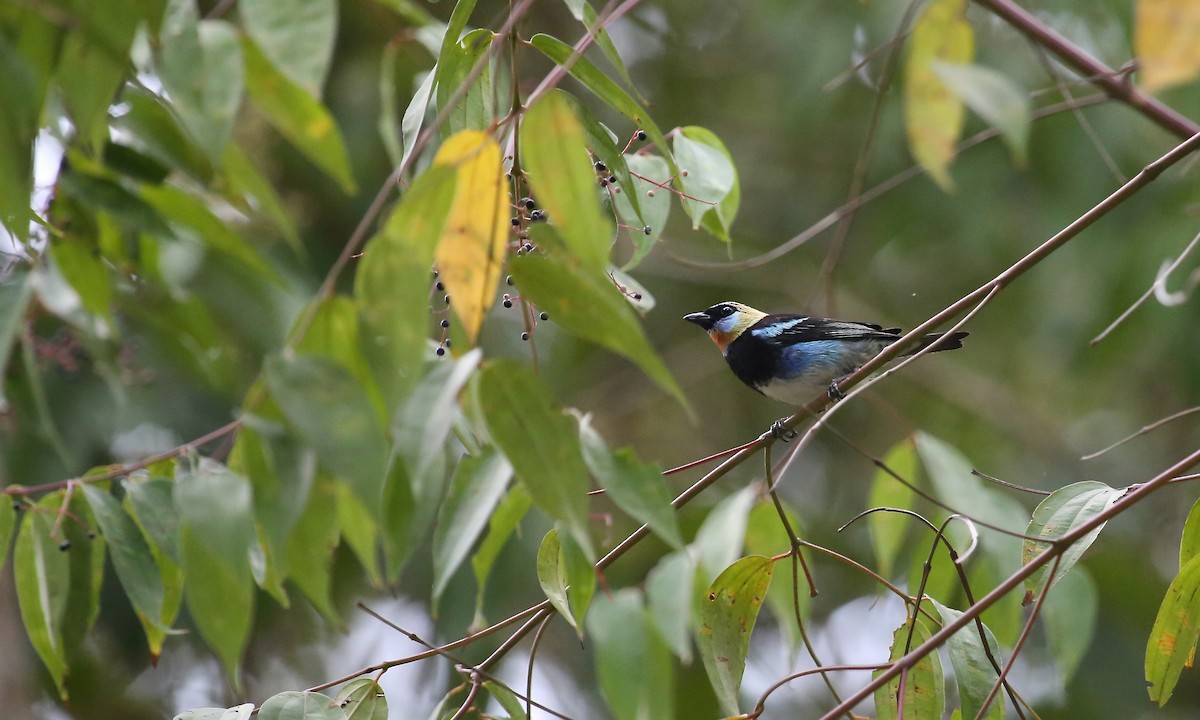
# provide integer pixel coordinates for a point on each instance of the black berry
(524, 336)
(646, 229)
(528, 203)
(65, 545)
(445, 323)
(516, 222)
(440, 351)
(641, 135)
(601, 166)
(544, 316)
(508, 303)
(508, 280)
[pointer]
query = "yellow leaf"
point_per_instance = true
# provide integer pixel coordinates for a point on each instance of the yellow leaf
(1166, 42)
(933, 114)
(470, 251)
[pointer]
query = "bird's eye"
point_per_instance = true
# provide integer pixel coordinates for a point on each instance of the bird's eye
(726, 310)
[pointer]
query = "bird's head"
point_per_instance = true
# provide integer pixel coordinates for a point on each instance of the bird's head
(725, 321)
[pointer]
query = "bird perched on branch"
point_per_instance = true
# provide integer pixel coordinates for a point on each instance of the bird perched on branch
(792, 358)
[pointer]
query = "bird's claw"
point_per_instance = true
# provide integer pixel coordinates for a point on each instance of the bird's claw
(835, 392)
(782, 432)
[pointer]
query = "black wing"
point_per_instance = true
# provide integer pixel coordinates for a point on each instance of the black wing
(783, 330)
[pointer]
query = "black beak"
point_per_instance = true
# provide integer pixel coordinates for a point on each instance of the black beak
(704, 320)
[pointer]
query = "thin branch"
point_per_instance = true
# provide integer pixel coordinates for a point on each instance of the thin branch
(117, 471)
(1001, 679)
(1115, 84)
(1145, 429)
(870, 195)
(1134, 496)
(1159, 282)
(862, 165)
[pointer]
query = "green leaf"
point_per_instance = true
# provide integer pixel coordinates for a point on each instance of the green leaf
(393, 278)
(360, 531)
(153, 503)
(933, 115)
(421, 427)
(333, 332)
(331, 412)
(727, 614)
(294, 705)
(1062, 511)
(216, 530)
(633, 664)
(501, 525)
(950, 474)
(634, 486)
(155, 517)
(925, 685)
(603, 145)
(131, 557)
(151, 128)
(86, 561)
(584, 13)
(298, 116)
(454, 29)
(478, 485)
(281, 472)
(588, 305)
(719, 540)
(296, 36)
(552, 576)
(239, 712)
(474, 110)
(973, 671)
(362, 699)
(1070, 614)
(80, 264)
(567, 577)
(709, 178)
(1189, 543)
(1174, 634)
(563, 180)
(889, 529)
(418, 473)
(311, 546)
(765, 535)
(42, 574)
(643, 193)
(93, 61)
(186, 211)
(510, 702)
(541, 443)
(247, 182)
(15, 292)
(581, 579)
(604, 88)
(414, 117)
(670, 595)
(21, 96)
(994, 98)
(201, 69)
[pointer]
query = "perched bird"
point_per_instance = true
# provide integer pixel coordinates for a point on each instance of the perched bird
(792, 358)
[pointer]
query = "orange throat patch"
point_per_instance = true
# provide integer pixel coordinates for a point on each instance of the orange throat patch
(722, 339)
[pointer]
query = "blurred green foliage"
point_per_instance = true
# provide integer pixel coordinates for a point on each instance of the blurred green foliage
(188, 222)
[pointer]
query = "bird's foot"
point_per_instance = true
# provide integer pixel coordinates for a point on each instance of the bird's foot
(782, 432)
(835, 393)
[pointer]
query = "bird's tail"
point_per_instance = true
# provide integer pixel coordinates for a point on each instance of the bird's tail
(953, 342)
